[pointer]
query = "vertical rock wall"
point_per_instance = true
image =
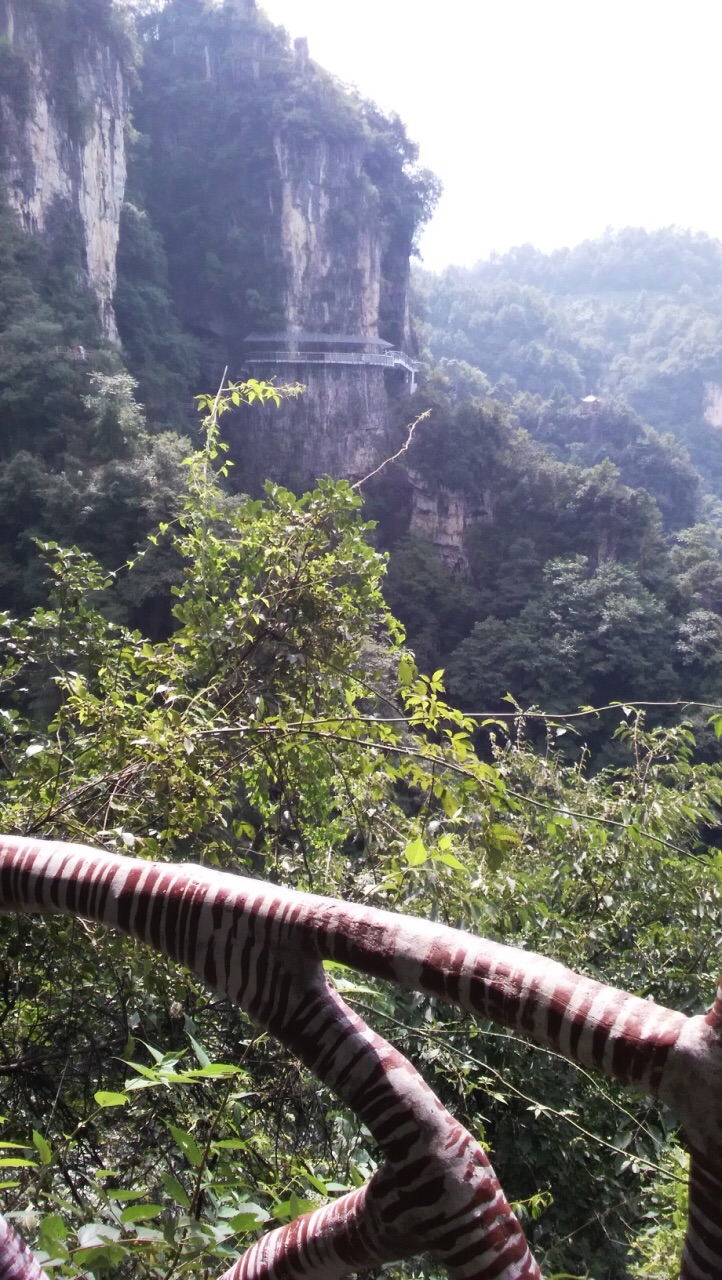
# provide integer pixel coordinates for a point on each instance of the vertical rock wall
(713, 404)
(330, 240)
(332, 249)
(51, 157)
(338, 427)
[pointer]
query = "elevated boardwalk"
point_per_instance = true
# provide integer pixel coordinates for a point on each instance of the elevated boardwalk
(299, 348)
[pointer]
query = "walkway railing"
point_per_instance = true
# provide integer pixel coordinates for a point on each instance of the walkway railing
(263, 946)
(381, 359)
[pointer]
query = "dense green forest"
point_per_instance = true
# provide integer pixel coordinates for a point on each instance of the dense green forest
(189, 671)
(568, 403)
(634, 317)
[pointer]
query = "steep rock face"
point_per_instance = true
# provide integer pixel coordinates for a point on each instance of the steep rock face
(333, 251)
(442, 517)
(338, 427)
(309, 201)
(713, 404)
(332, 257)
(64, 150)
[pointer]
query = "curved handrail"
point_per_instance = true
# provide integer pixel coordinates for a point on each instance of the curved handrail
(263, 947)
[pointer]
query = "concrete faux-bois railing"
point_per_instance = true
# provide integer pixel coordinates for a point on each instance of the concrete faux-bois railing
(435, 1192)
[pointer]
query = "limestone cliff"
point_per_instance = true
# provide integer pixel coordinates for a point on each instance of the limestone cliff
(332, 256)
(63, 105)
(309, 202)
(713, 404)
(338, 427)
(443, 517)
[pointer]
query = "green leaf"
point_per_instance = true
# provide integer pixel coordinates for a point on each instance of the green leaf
(249, 1209)
(407, 672)
(53, 1228)
(187, 1144)
(200, 1052)
(450, 860)
(109, 1099)
(42, 1147)
(140, 1213)
(415, 852)
(317, 1184)
(175, 1190)
(214, 1070)
(294, 1207)
(299, 1206)
(109, 1254)
(503, 835)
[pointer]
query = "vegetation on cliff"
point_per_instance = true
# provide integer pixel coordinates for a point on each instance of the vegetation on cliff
(200, 262)
(222, 95)
(76, 458)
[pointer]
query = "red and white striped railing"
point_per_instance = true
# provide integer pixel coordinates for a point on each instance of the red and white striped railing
(435, 1192)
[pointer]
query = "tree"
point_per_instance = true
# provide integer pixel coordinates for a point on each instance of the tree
(592, 634)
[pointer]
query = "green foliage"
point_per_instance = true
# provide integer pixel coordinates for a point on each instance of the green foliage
(589, 637)
(657, 1250)
(632, 317)
(437, 608)
(565, 589)
(613, 432)
(109, 485)
(160, 356)
(262, 716)
(253, 736)
(77, 461)
(610, 876)
(276, 731)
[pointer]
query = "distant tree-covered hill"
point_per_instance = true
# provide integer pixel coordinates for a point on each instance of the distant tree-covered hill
(634, 317)
(571, 427)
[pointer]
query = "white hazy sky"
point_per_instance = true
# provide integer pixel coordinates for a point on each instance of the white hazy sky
(547, 120)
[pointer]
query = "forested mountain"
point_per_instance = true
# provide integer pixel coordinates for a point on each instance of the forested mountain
(195, 666)
(260, 195)
(574, 435)
(635, 316)
(610, 503)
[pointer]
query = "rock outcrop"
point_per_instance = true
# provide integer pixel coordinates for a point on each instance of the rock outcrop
(332, 257)
(333, 251)
(310, 206)
(713, 404)
(62, 137)
(285, 203)
(443, 517)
